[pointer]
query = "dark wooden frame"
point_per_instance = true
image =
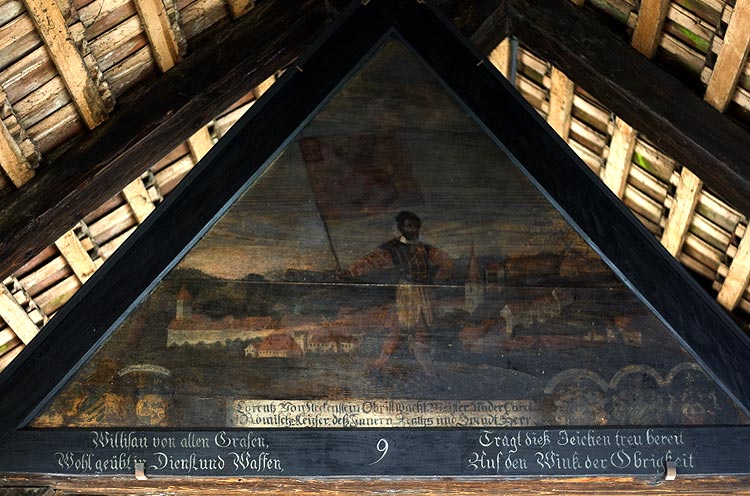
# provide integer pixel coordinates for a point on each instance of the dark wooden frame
(88, 319)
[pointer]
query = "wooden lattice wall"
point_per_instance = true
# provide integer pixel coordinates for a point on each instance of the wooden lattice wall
(704, 233)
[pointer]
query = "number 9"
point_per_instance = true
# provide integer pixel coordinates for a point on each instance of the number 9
(382, 447)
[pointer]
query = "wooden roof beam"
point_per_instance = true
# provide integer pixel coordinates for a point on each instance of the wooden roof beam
(51, 26)
(639, 92)
(732, 58)
(159, 32)
(16, 317)
(75, 254)
(648, 27)
(560, 103)
(156, 117)
(681, 214)
(620, 158)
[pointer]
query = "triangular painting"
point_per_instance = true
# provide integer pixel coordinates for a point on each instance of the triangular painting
(391, 254)
(406, 266)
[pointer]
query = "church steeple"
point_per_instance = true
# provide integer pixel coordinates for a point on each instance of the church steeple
(184, 308)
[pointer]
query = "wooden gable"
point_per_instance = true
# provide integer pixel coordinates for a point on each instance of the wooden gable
(591, 238)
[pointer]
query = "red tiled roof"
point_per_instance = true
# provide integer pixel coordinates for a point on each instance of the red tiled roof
(279, 341)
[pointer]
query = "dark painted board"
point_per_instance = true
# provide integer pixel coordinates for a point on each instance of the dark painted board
(575, 452)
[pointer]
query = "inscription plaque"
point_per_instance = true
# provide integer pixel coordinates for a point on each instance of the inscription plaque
(375, 413)
(359, 452)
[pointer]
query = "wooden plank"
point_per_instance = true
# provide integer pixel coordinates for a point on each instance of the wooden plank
(169, 111)
(112, 224)
(54, 298)
(620, 157)
(648, 27)
(72, 250)
(200, 143)
(107, 249)
(134, 70)
(57, 129)
(738, 276)
(648, 184)
(52, 272)
(17, 39)
(156, 23)
(53, 29)
(10, 356)
(9, 10)
(168, 178)
(642, 94)
(426, 454)
(264, 86)
(28, 74)
(12, 160)
(8, 340)
(500, 57)
(225, 122)
(15, 316)
(680, 216)
(732, 58)
(138, 199)
(40, 104)
(240, 7)
(118, 43)
(588, 136)
(560, 103)
(201, 15)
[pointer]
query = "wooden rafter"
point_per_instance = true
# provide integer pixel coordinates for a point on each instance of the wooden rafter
(139, 200)
(74, 253)
(16, 317)
(200, 143)
(51, 25)
(620, 156)
(158, 117)
(642, 94)
(732, 58)
(158, 29)
(686, 198)
(560, 103)
(647, 31)
(738, 276)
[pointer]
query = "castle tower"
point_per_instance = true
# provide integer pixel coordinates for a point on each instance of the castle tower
(184, 309)
(473, 288)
